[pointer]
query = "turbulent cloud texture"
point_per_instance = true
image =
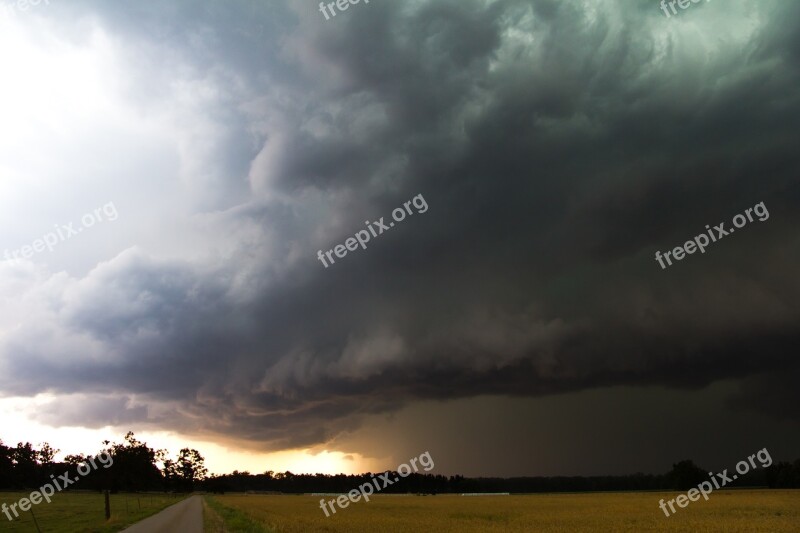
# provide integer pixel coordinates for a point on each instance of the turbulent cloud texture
(558, 144)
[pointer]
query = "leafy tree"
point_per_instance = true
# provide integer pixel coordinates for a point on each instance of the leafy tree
(685, 475)
(46, 454)
(784, 475)
(47, 466)
(134, 467)
(75, 460)
(6, 467)
(25, 460)
(189, 469)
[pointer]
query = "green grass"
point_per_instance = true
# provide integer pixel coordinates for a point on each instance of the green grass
(732, 511)
(212, 521)
(234, 520)
(73, 512)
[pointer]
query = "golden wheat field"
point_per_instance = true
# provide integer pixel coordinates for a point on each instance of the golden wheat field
(767, 511)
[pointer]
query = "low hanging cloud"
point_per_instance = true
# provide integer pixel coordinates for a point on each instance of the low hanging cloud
(558, 145)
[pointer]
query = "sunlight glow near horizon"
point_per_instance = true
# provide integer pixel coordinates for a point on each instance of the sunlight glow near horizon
(220, 459)
(51, 90)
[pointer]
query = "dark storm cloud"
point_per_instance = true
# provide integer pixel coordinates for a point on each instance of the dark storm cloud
(94, 411)
(558, 145)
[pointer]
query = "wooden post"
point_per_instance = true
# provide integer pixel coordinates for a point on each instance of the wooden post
(108, 506)
(35, 522)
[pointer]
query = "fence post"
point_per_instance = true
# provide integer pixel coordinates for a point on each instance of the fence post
(108, 506)
(35, 522)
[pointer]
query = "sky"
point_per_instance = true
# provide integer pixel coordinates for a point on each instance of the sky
(172, 175)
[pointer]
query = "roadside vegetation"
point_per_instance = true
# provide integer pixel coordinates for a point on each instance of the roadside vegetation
(218, 518)
(84, 512)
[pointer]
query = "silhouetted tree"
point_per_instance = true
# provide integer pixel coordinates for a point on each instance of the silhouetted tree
(25, 459)
(74, 460)
(188, 470)
(685, 475)
(134, 467)
(46, 454)
(6, 467)
(784, 475)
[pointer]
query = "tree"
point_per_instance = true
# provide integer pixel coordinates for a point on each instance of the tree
(191, 466)
(46, 454)
(685, 475)
(25, 459)
(6, 467)
(183, 473)
(134, 467)
(75, 460)
(784, 475)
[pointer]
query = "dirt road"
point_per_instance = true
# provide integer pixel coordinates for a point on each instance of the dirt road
(183, 517)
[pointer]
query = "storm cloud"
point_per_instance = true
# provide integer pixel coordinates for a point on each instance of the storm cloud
(558, 144)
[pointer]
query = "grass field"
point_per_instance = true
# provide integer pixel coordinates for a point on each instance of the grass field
(220, 519)
(767, 511)
(71, 512)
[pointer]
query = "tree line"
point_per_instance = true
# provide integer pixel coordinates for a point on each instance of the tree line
(137, 467)
(683, 476)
